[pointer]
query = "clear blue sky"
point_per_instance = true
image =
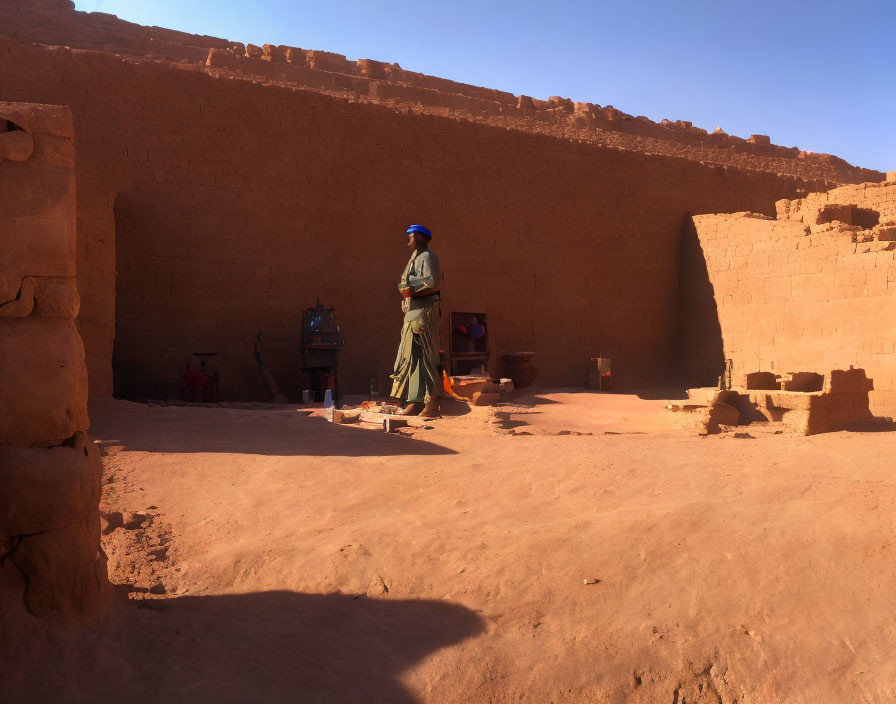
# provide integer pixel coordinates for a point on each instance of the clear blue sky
(815, 74)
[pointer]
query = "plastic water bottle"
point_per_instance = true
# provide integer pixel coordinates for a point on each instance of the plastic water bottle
(329, 405)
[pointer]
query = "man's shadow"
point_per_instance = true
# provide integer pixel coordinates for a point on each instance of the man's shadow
(278, 646)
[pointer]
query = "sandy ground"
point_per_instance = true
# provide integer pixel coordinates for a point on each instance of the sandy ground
(271, 556)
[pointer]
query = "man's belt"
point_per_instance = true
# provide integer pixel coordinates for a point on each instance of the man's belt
(426, 295)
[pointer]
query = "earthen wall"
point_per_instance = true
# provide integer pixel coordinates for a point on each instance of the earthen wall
(55, 22)
(240, 204)
(51, 565)
(811, 290)
(96, 277)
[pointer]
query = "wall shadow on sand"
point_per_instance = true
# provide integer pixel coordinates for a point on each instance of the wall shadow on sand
(700, 351)
(276, 646)
(137, 427)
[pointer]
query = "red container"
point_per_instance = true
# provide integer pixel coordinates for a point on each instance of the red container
(194, 379)
(522, 371)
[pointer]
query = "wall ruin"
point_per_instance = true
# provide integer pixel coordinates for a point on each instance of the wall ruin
(811, 290)
(51, 565)
(55, 22)
(240, 204)
(246, 182)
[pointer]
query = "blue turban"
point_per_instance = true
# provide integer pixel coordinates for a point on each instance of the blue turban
(422, 230)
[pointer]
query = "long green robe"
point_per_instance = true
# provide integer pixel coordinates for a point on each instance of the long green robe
(417, 376)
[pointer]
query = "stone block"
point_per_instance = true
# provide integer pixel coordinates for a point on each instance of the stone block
(23, 303)
(722, 414)
(57, 297)
(796, 421)
(271, 52)
(848, 381)
(222, 58)
(481, 398)
(65, 570)
(327, 61)
(467, 387)
(16, 145)
(703, 395)
(371, 69)
(296, 56)
(35, 118)
(885, 233)
(38, 208)
(47, 488)
(703, 419)
(774, 401)
(43, 381)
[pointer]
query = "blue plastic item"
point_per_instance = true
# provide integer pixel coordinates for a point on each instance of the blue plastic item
(476, 331)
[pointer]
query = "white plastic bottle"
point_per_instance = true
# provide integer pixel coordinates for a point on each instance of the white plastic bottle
(329, 405)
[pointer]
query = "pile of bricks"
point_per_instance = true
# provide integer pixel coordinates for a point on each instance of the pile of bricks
(800, 403)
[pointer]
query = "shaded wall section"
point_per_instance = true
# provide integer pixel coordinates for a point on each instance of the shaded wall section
(812, 290)
(240, 204)
(96, 278)
(700, 352)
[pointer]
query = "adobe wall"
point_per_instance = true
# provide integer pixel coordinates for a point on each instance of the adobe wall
(388, 84)
(115, 161)
(811, 290)
(240, 204)
(56, 22)
(51, 565)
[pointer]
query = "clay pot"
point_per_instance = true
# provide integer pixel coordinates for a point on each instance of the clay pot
(522, 371)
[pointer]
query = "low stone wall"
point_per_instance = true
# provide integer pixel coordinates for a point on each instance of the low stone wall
(809, 291)
(51, 564)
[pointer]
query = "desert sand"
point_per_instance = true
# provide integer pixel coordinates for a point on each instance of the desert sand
(566, 547)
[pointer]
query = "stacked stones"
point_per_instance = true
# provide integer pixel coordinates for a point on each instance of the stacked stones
(51, 564)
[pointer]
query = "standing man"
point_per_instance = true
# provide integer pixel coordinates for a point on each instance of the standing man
(418, 369)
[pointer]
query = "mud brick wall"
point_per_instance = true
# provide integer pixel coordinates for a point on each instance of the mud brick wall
(51, 565)
(375, 82)
(55, 22)
(239, 204)
(811, 290)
